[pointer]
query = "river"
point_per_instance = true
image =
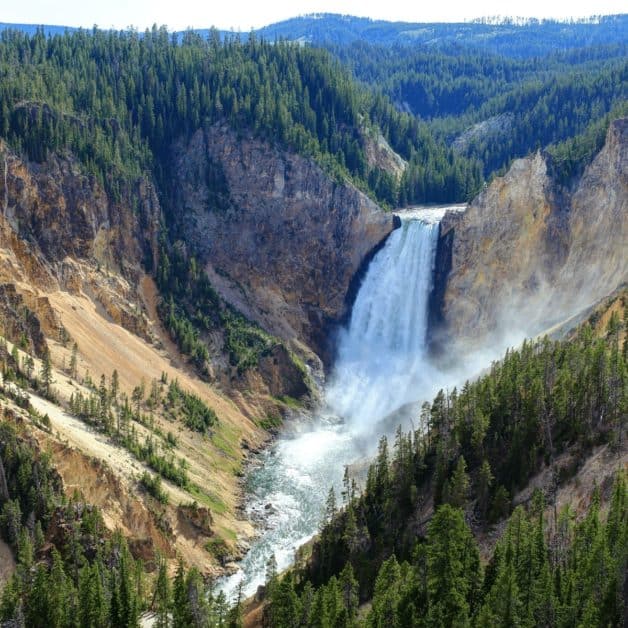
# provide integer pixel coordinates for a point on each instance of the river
(381, 366)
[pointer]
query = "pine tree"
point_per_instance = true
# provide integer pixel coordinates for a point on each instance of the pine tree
(503, 608)
(46, 373)
(162, 596)
(127, 611)
(25, 552)
(136, 396)
(459, 485)
(29, 366)
(59, 590)
(386, 595)
(197, 601)
(284, 605)
(115, 388)
(103, 404)
(93, 610)
(74, 362)
(271, 574)
(484, 483)
(452, 567)
(330, 506)
(349, 589)
(234, 618)
(617, 522)
(181, 615)
(10, 601)
(346, 486)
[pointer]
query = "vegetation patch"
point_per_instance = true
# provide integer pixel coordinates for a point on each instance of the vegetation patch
(196, 415)
(271, 422)
(191, 310)
(152, 485)
(219, 549)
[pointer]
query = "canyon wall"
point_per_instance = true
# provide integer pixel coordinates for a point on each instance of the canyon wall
(527, 253)
(61, 230)
(283, 240)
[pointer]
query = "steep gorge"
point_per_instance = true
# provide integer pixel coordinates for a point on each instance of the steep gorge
(75, 260)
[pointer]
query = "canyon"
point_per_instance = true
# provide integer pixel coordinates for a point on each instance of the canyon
(528, 253)
(287, 244)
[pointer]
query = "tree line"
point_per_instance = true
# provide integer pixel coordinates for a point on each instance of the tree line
(570, 574)
(118, 101)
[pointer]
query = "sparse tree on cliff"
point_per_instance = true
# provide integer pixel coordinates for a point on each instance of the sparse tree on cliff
(46, 373)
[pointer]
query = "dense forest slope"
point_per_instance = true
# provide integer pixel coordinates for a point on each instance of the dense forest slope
(527, 252)
(489, 513)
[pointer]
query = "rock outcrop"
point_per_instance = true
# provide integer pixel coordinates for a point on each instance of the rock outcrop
(525, 253)
(60, 229)
(19, 323)
(284, 240)
(62, 212)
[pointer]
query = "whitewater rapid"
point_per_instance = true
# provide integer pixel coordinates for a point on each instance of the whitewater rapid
(381, 365)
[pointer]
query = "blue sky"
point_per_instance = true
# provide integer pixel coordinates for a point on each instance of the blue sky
(242, 15)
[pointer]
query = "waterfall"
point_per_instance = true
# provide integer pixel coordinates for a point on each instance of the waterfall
(381, 366)
(381, 362)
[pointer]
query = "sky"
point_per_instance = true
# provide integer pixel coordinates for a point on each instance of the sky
(244, 15)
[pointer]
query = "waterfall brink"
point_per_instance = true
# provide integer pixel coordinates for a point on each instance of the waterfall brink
(382, 363)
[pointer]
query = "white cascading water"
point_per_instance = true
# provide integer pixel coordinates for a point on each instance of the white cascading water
(381, 356)
(381, 366)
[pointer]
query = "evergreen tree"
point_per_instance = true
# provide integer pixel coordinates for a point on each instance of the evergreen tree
(162, 596)
(453, 568)
(46, 374)
(74, 362)
(458, 488)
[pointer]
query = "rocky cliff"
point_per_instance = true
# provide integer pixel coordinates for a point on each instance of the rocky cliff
(283, 240)
(73, 257)
(59, 229)
(525, 253)
(66, 213)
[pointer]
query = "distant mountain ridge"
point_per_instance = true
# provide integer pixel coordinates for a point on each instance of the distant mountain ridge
(31, 29)
(528, 39)
(510, 36)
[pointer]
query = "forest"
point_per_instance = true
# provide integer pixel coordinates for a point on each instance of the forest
(408, 543)
(534, 102)
(119, 100)
(573, 579)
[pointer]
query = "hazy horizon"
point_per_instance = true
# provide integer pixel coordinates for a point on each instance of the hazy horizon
(244, 16)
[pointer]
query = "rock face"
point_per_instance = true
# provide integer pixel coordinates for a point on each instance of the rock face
(284, 240)
(525, 254)
(379, 154)
(66, 213)
(491, 128)
(59, 229)
(19, 323)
